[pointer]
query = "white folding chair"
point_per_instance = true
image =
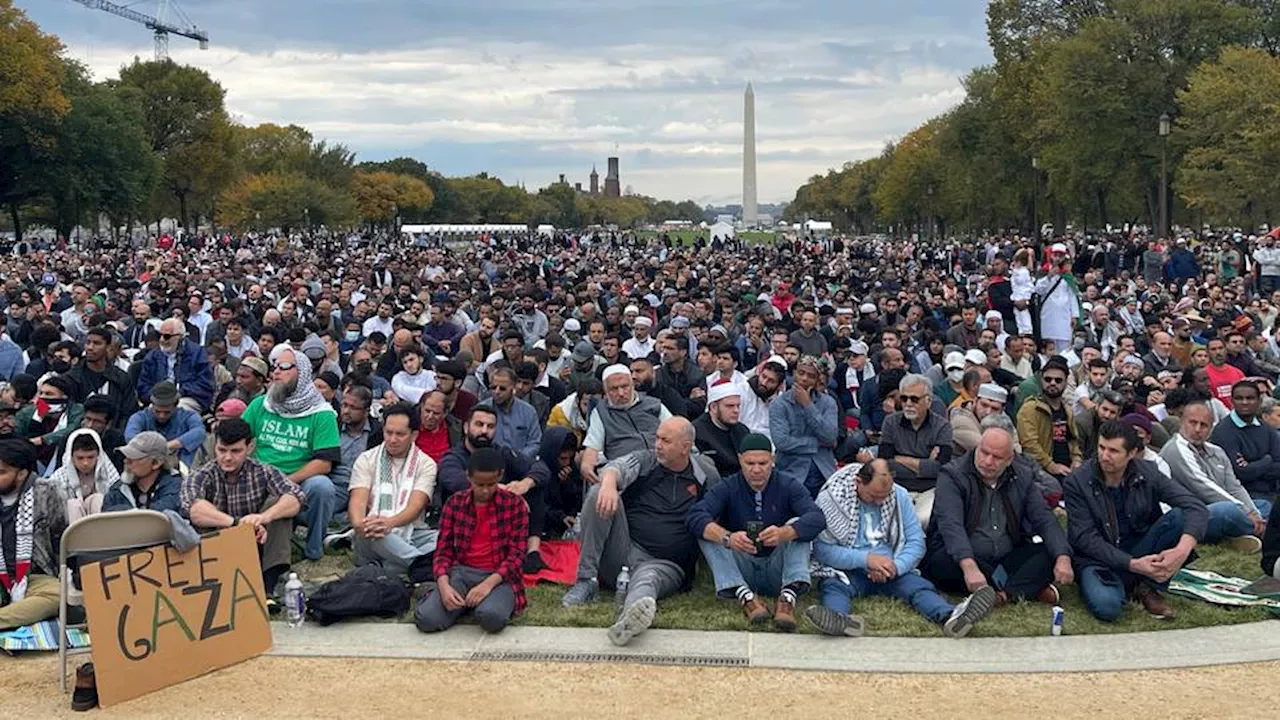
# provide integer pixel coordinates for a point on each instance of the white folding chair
(100, 535)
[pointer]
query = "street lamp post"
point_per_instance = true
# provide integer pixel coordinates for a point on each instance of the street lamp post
(1035, 203)
(1164, 176)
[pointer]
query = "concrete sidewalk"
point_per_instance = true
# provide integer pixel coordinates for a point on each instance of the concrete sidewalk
(1253, 642)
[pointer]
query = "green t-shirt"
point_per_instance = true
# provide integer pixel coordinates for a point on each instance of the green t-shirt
(289, 443)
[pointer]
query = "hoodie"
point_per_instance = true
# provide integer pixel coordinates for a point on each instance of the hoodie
(564, 498)
(68, 480)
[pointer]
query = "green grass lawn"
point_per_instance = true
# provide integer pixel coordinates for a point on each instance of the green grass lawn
(700, 610)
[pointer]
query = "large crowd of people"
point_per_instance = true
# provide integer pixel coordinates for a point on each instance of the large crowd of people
(985, 422)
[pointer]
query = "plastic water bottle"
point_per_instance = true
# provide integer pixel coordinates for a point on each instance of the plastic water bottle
(295, 601)
(620, 589)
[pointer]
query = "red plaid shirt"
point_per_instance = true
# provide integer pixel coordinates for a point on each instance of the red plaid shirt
(510, 532)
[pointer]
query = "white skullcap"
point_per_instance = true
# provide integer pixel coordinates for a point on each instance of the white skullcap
(615, 370)
(631, 309)
(722, 390)
(644, 321)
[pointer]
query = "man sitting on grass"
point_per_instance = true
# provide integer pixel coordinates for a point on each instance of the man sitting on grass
(235, 489)
(754, 530)
(985, 514)
(481, 549)
(1123, 543)
(32, 518)
(635, 519)
(871, 546)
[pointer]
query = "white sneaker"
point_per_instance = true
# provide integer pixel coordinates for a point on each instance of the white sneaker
(635, 619)
(1247, 544)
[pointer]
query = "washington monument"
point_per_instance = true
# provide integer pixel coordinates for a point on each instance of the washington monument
(750, 212)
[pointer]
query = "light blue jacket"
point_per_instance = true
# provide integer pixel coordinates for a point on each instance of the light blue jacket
(907, 557)
(185, 426)
(519, 429)
(804, 437)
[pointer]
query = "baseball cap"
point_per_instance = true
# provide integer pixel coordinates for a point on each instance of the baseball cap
(48, 279)
(147, 444)
(231, 407)
(255, 364)
(975, 357)
(583, 351)
(164, 394)
(953, 360)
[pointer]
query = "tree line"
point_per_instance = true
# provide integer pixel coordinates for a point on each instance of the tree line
(1064, 127)
(159, 143)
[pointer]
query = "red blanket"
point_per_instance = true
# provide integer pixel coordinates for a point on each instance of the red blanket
(561, 557)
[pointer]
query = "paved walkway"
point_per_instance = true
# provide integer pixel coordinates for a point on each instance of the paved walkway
(1254, 642)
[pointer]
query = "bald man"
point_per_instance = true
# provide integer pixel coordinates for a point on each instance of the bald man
(986, 511)
(181, 362)
(634, 519)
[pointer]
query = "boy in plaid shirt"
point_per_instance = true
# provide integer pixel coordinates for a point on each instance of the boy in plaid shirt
(480, 552)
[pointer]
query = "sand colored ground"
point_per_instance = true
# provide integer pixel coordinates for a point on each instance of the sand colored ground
(330, 688)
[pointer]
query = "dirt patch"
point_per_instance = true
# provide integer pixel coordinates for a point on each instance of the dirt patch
(328, 688)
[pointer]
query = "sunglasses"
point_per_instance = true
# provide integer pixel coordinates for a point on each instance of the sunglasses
(166, 336)
(913, 399)
(285, 366)
(1052, 381)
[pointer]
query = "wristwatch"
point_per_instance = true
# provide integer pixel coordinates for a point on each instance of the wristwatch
(725, 540)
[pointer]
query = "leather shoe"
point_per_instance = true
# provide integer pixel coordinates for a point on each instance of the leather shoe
(755, 610)
(1153, 603)
(85, 696)
(784, 616)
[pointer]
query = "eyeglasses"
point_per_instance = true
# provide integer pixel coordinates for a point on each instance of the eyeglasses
(284, 366)
(910, 398)
(166, 336)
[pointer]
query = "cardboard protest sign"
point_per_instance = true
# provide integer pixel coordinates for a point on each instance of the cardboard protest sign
(158, 617)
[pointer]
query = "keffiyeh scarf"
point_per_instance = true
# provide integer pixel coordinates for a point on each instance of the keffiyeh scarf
(842, 509)
(306, 399)
(391, 489)
(14, 579)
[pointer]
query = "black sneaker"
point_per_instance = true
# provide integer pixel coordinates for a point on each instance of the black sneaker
(830, 622)
(85, 696)
(533, 563)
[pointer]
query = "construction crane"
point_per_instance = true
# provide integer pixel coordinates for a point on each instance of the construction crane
(159, 24)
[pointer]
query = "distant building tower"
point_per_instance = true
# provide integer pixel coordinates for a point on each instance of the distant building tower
(562, 182)
(595, 181)
(750, 211)
(612, 182)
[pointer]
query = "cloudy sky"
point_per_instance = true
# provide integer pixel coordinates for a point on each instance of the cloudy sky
(528, 89)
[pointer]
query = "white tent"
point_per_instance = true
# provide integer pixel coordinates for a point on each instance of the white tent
(721, 229)
(817, 226)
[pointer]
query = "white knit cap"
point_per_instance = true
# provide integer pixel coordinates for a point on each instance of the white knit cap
(722, 390)
(615, 370)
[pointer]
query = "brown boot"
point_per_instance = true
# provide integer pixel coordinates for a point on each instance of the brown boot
(1153, 603)
(1049, 595)
(85, 696)
(755, 610)
(784, 616)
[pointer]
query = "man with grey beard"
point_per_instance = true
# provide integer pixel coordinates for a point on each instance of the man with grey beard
(296, 431)
(916, 442)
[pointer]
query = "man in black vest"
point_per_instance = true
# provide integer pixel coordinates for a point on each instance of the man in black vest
(625, 422)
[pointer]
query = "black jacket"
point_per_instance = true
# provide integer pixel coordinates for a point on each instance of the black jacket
(1271, 548)
(121, 391)
(720, 444)
(956, 510)
(1091, 517)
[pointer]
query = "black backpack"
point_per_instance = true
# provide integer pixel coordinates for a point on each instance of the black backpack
(366, 590)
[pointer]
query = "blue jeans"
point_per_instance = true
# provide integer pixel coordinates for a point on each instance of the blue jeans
(910, 588)
(788, 564)
(1227, 520)
(1105, 589)
(324, 499)
(1264, 506)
